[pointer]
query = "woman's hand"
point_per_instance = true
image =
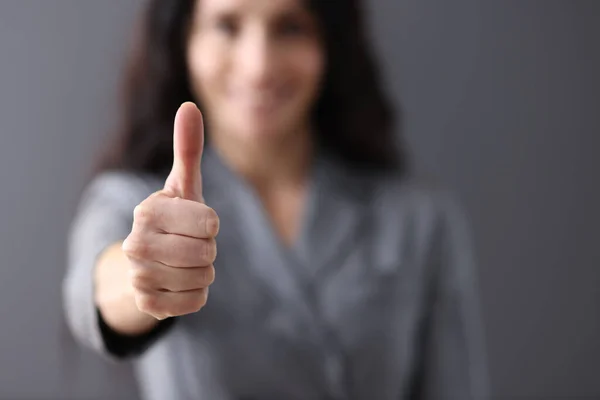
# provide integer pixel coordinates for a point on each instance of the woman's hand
(171, 247)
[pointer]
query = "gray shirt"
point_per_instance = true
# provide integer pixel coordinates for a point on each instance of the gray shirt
(377, 299)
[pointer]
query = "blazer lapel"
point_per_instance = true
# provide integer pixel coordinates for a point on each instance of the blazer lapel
(258, 266)
(248, 240)
(336, 209)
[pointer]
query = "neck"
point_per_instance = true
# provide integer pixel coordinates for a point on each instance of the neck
(264, 163)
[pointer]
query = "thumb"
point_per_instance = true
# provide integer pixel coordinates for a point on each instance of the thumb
(185, 179)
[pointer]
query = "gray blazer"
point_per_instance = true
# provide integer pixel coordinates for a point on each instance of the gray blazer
(376, 300)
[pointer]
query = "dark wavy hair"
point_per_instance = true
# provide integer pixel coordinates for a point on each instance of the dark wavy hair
(353, 118)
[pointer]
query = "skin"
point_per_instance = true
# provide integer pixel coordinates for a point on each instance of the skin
(257, 88)
(260, 81)
(165, 265)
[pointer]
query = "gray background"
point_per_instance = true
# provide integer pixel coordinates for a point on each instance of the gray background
(502, 103)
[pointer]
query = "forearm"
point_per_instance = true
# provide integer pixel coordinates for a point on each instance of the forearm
(114, 295)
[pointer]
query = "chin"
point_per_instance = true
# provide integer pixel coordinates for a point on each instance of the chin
(253, 130)
(262, 134)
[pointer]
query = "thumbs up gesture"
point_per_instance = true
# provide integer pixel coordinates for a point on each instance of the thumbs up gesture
(171, 247)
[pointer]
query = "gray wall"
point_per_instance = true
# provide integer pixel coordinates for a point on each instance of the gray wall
(501, 101)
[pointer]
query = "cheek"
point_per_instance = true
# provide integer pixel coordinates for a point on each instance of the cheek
(310, 68)
(205, 72)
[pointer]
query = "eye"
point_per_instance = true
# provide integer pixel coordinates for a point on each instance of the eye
(292, 27)
(227, 25)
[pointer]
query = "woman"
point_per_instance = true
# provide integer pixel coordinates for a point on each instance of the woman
(338, 277)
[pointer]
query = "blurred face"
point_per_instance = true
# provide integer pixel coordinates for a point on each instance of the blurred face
(255, 66)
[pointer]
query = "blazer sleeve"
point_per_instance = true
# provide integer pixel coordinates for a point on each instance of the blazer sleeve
(104, 216)
(454, 362)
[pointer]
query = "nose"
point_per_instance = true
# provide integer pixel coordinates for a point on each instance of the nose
(256, 57)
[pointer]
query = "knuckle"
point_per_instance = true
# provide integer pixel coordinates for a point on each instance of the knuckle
(199, 301)
(204, 277)
(128, 246)
(209, 250)
(194, 303)
(135, 247)
(213, 250)
(144, 213)
(141, 278)
(208, 275)
(211, 222)
(148, 304)
(139, 213)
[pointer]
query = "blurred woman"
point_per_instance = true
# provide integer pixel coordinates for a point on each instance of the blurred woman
(337, 277)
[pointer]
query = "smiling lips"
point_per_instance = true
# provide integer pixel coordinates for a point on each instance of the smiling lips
(260, 101)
